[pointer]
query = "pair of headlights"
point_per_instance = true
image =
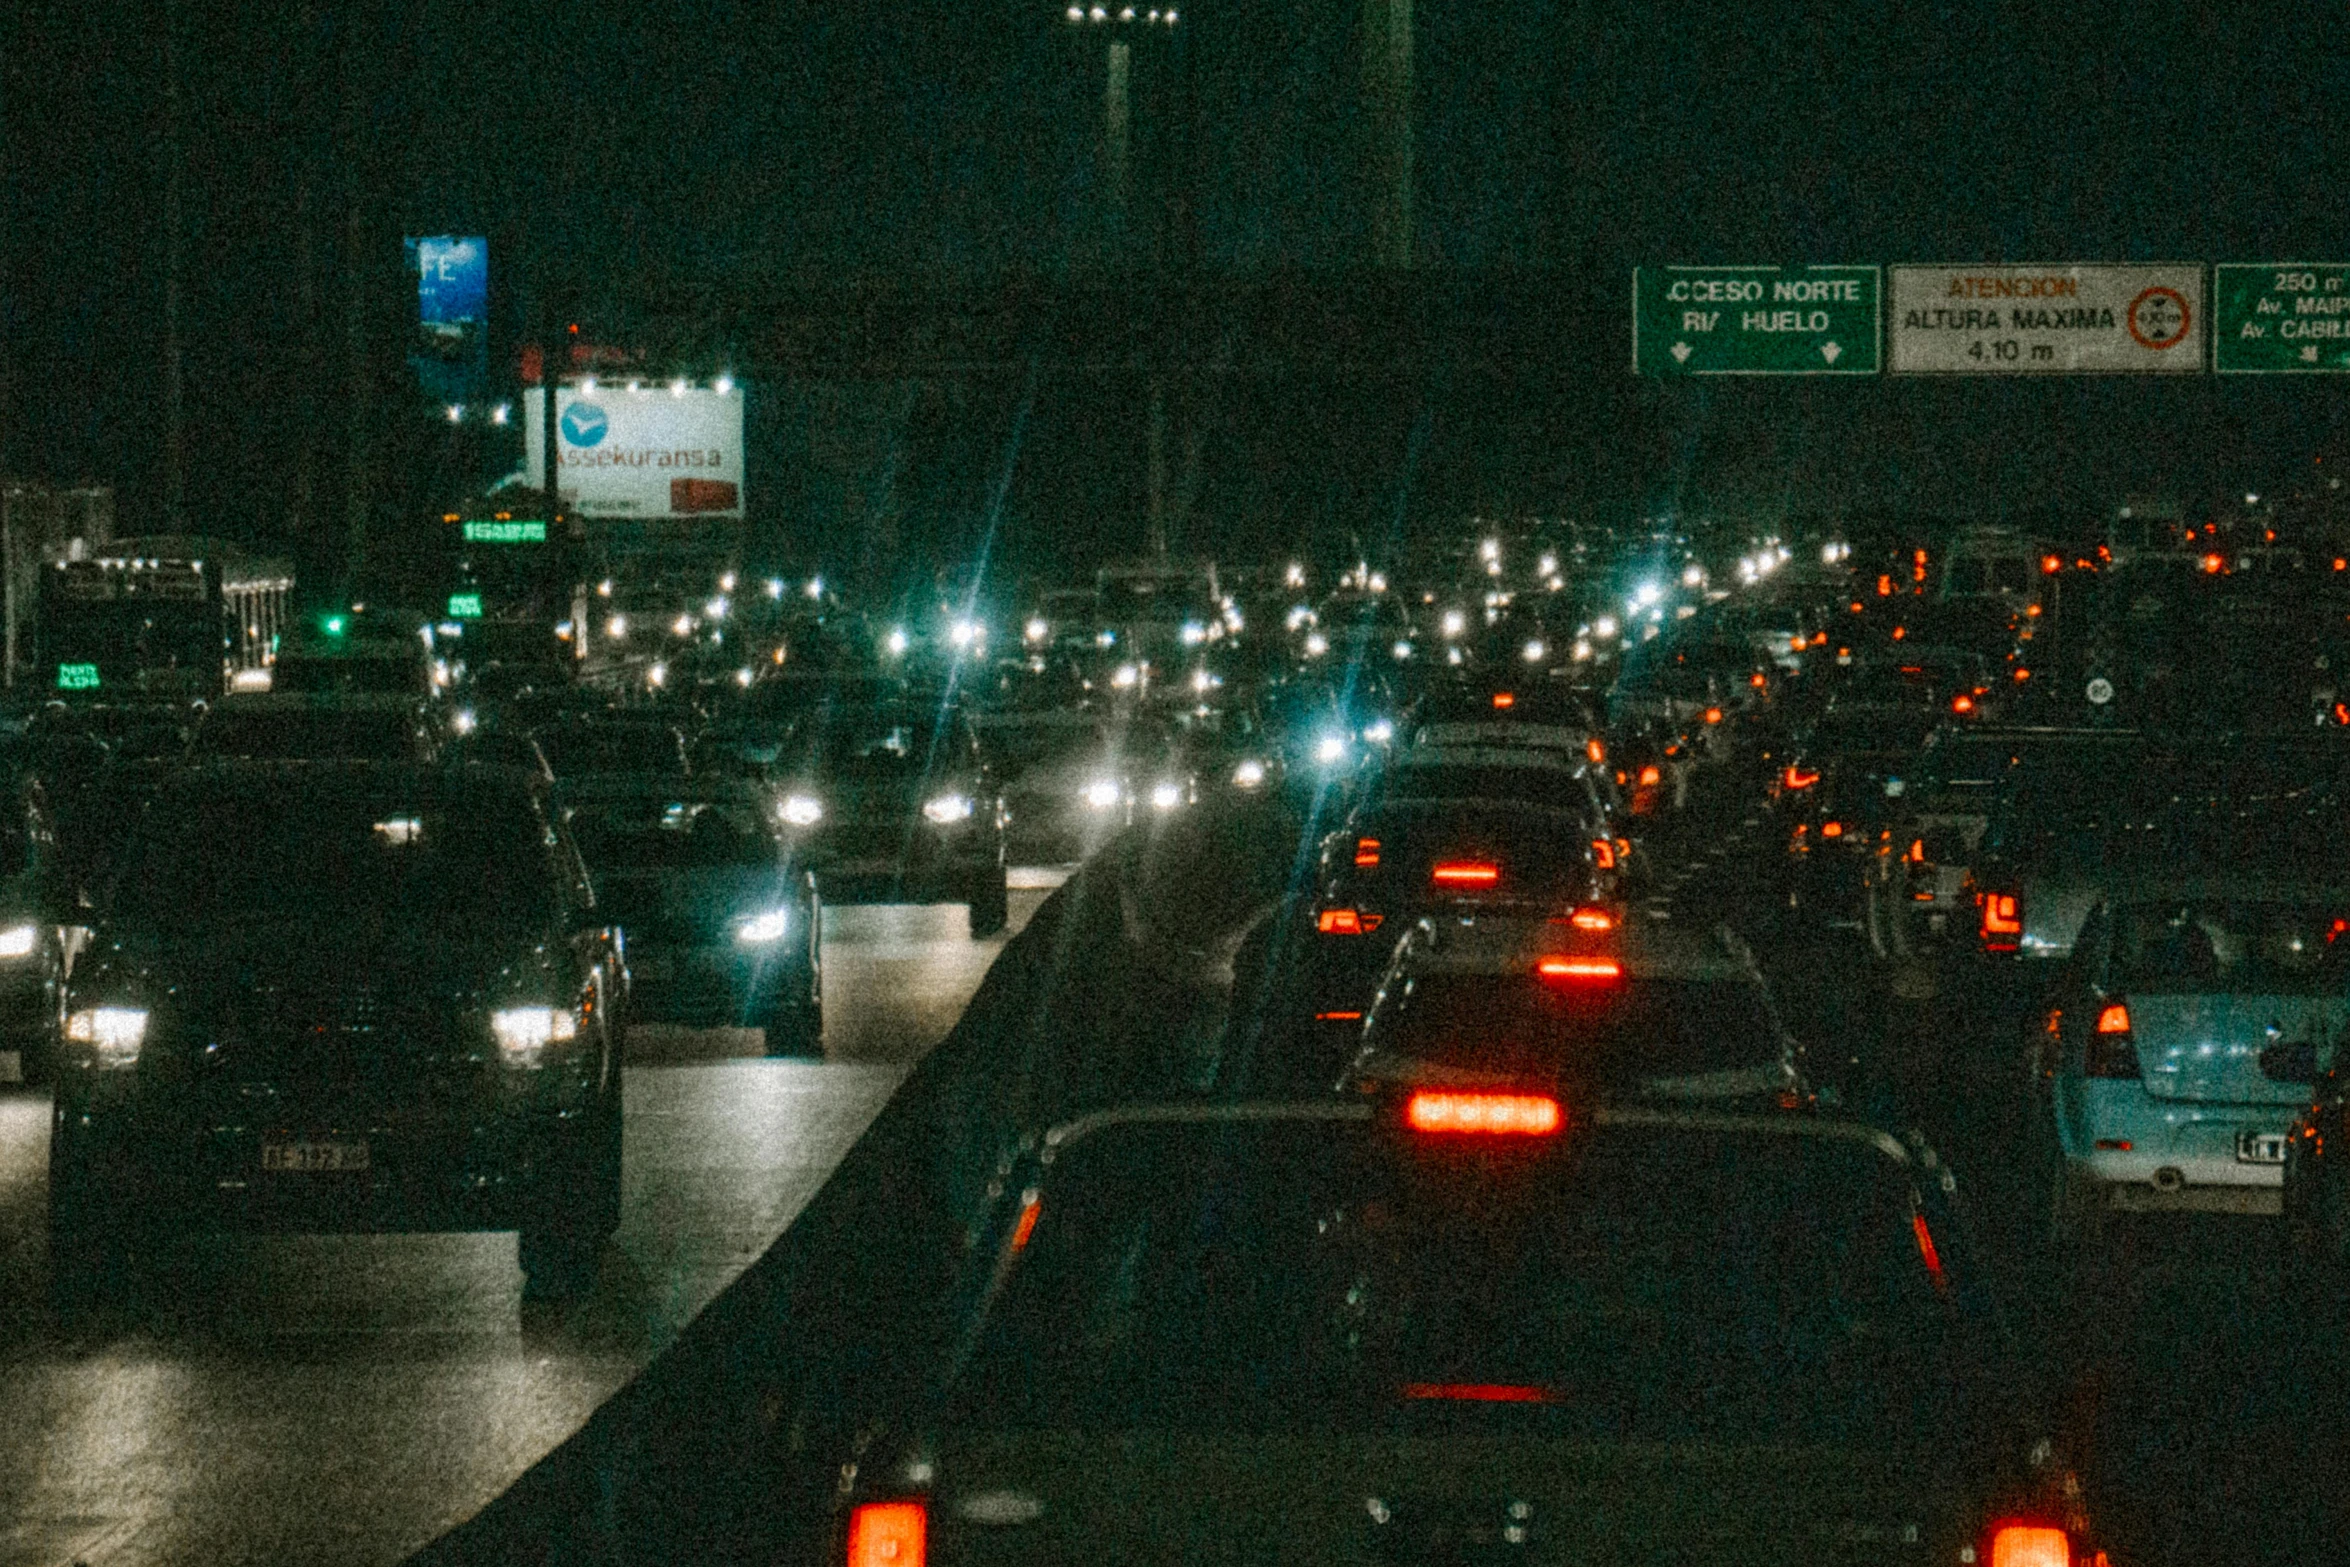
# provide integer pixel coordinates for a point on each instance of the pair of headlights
(114, 1034)
(1103, 794)
(805, 810)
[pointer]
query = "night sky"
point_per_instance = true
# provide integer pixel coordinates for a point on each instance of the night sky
(623, 148)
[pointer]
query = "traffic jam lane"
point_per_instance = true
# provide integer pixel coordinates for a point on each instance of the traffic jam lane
(350, 1398)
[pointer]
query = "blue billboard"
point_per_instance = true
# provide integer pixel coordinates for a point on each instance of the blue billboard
(451, 347)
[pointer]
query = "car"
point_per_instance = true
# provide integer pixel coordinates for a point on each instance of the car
(720, 924)
(894, 802)
(2181, 1040)
(1461, 1325)
(340, 997)
(1642, 1008)
(1398, 860)
(279, 726)
(34, 916)
(583, 745)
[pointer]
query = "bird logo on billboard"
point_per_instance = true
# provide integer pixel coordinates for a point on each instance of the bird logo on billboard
(584, 424)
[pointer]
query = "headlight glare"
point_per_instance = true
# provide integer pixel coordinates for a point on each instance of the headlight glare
(803, 810)
(948, 809)
(523, 1033)
(18, 941)
(1102, 794)
(1249, 774)
(115, 1033)
(1166, 796)
(757, 930)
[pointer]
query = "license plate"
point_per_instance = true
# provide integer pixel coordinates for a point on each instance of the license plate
(310, 1157)
(2260, 1148)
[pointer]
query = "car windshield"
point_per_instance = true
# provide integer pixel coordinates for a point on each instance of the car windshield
(661, 832)
(314, 736)
(1466, 781)
(2205, 947)
(296, 852)
(573, 749)
(1603, 1028)
(880, 743)
(1769, 1289)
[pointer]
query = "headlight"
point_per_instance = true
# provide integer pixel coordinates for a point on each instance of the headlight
(114, 1032)
(1249, 774)
(1330, 749)
(758, 930)
(948, 809)
(1102, 794)
(1380, 731)
(1166, 796)
(803, 810)
(18, 941)
(523, 1033)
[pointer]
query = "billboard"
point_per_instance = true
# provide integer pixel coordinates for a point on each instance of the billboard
(451, 346)
(654, 451)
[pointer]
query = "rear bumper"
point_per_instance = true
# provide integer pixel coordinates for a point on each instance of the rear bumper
(901, 862)
(2181, 1158)
(715, 980)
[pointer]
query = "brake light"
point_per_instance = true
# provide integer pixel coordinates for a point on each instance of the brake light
(1579, 968)
(1592, 919)
(1465, 873)
(1801, 777)
(889, 1534)
(1505, 699)
(2111, 1052)
(1917, 851)
(1962, 703)
(1603, 854)
(1480, 1392)
(2030, 1545)
(1713, 715)
(1339, 922)
(1497, 1115)
(1758, 680)
(1650, 776)
(1831, 829)
(1366, 852)
(2003, 922)
(1928, 1252)
(1338, 1017)
(1027, 1225)
(1596, 751)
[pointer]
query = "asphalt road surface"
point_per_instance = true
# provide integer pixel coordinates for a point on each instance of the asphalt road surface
(348, 1398)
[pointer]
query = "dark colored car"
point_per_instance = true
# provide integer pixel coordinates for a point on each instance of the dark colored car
(33, 887)
(894, 803)
(720, 925)
(1462, 1328)
(295, 726)
(341, 997)
(1395, 862)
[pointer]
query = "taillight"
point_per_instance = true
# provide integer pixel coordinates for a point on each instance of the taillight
(889, 1534)
(1831, 829)
(1579, 968)
(1596, 751)
(1603, 854)
(1366, 852)
(1758, 680)
(2003, 922)
(2030, 1545)
(1650, 776)
(2111, 1052)
(1592, 919)
(1800, 777)
(1713, 715)
(1962, 703)
(1339, 922)
(1496, 1115)
(1505, 699)
(1465, 873)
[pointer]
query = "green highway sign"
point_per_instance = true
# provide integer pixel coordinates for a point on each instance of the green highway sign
(2280, 317)
(465, 606)
(515, 530)
(1756, 320)
(77, 677)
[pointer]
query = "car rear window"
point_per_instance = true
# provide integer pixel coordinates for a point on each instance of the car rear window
(1633, 1285)
(1610, 1029)
(2208, 946)
(661, 833)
